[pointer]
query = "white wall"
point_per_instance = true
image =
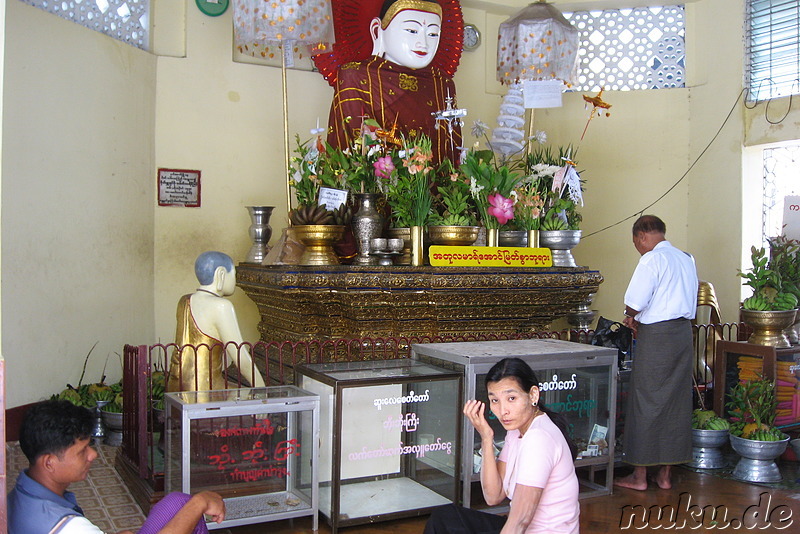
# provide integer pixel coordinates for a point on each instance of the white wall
(225, 119)
(77, 197)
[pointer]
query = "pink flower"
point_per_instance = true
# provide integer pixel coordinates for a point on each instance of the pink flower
(501, 207)
(383, 167)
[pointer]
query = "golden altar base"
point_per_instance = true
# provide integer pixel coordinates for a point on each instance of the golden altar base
(331, 302)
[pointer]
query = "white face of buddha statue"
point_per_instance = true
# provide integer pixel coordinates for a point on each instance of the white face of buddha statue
(411, 39)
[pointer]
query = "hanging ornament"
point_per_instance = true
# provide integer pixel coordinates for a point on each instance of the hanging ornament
(598, 107)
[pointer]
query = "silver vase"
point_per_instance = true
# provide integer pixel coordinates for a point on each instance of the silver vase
(513, 238)
(260, 232)
(368, 223)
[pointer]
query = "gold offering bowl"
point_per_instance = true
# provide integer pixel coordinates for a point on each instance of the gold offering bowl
(453, 235)
(319, 240)
(768, 326)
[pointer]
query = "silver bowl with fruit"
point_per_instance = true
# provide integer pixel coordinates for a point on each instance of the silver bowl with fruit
(757, 463)
(706, 453)
(112, 419)
(709, 433)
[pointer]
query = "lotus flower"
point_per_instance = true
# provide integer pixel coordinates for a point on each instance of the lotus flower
(501, 207)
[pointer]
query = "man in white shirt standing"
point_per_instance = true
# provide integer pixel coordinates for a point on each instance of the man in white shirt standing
(660, 302)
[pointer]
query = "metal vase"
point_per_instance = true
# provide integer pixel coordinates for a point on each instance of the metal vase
(368, 223)
(513, 238)
(260, 232)
(417, 252)
(533, 238)
(492, 237)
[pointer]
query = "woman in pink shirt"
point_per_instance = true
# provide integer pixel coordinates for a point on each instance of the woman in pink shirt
(534, 470)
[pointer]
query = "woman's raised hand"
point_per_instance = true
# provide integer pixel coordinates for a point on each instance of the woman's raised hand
(474, 409)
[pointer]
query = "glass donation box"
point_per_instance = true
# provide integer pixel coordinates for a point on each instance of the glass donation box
(389, 438)
(576, 379)
(257, 447)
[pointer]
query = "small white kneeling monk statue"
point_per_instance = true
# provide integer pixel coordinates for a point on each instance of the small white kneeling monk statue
(207, 321)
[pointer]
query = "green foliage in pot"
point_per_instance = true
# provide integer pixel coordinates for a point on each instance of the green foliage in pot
(753, 407)
(453, 203)
(784, 258)
(768, 293)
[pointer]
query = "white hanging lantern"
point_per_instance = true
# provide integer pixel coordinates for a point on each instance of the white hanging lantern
(537, 43)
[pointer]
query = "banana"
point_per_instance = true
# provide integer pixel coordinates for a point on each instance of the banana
(553, 223)
(718, 423)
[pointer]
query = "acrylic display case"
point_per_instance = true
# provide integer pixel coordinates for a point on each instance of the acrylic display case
(577, 380)
(389, 438)
(257, 447)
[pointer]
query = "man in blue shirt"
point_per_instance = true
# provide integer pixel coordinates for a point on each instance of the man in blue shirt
(55, 437)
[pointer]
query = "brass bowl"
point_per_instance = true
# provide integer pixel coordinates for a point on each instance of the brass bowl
(768, 326)
(453, 235)
(319, 240)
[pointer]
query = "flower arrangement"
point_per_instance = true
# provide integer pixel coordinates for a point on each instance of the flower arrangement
(453, 202)
(491, 187)
(552, 179)
(537, 190)
(546, 194)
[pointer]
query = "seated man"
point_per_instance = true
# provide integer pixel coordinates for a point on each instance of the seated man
(208, 320)
(55, 437)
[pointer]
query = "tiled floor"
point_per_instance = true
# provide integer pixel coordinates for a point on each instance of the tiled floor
(105, 500)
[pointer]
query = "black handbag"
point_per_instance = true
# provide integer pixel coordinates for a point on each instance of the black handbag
(616, 336)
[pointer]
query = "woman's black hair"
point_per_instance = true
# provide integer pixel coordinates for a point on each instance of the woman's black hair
(521, 372)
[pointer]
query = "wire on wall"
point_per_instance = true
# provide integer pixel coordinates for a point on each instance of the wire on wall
(684, 175)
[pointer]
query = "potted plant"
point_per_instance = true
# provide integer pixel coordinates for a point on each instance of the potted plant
(556, 183)
(453, 220)
(784, 258)
(752, 408)
(491, 187)
(317, 165)
(770, 309)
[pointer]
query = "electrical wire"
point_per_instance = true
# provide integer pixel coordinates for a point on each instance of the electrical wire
(685, 174)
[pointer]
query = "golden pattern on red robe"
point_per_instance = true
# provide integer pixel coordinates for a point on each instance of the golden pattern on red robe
(392, 95)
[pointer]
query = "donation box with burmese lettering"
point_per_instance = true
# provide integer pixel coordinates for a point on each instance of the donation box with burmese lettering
(575, 379)
(389, 438)
(257, 447)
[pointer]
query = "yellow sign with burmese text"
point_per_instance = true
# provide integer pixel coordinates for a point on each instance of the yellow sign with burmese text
(444, 256)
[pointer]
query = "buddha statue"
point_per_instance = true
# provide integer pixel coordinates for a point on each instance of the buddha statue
(405, 76)
(207, 321)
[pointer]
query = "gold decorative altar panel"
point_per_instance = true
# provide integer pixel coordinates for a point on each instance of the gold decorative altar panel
(330, 302)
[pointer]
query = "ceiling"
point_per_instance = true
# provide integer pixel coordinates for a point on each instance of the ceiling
(512, 6)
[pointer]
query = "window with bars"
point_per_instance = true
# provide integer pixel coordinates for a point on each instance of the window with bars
(780, 169)
(125, 20)
(772, 48)
(628, 49)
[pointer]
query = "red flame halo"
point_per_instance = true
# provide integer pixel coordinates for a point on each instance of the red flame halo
(351, 19)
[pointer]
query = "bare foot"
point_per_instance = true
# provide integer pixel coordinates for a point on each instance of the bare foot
(664, 479)
(631, 481)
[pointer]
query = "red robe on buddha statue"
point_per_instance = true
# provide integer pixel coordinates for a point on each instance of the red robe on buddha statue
(395, 96)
